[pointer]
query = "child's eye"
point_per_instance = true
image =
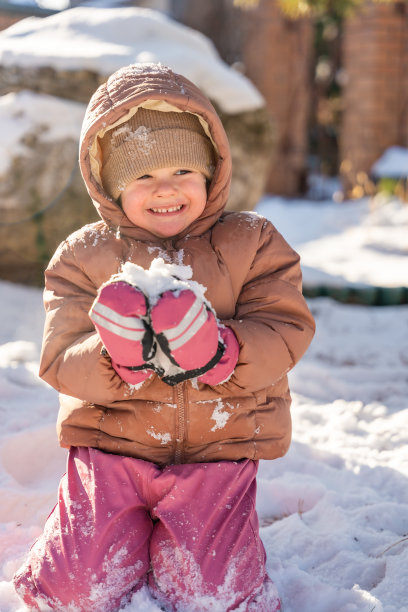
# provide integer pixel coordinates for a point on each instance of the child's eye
(183, 171)
(145, 176)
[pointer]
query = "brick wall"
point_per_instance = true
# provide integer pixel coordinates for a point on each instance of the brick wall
(375, 60)
(277, 53)
(7, 19)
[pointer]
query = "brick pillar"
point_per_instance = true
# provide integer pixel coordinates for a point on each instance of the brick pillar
(375, 93)
(277, 54)
(7, 20)
(404, 100)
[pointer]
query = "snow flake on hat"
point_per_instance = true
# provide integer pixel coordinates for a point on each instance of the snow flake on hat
(141, 137)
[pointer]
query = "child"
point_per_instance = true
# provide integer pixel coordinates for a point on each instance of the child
(171, 368)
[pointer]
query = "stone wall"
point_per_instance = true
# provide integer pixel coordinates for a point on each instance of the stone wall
(45, 178)
(375, 112)
(76, 85)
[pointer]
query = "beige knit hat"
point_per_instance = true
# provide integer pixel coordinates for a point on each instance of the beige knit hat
(151, 140)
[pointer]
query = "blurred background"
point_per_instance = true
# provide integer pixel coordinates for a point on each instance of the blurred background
(313, 95)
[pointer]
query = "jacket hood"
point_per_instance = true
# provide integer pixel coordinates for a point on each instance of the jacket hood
(155, 87)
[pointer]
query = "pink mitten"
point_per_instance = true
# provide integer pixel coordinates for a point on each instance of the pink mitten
(119, 314)
(187, 332)
(224, 368)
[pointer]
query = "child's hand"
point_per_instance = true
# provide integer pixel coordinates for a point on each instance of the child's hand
(222, 371)
(119, 314)
(186, 330)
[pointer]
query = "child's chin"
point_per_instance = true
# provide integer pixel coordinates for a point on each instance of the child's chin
(168, 231)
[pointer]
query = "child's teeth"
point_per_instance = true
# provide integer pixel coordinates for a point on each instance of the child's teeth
(166, 210)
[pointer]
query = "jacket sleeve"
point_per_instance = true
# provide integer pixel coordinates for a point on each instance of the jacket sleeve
(71, 359)
(272, 322)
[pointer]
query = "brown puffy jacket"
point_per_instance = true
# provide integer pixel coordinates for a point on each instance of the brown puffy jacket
(253, 281)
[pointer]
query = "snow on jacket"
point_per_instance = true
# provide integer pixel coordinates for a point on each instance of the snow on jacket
(253, 281)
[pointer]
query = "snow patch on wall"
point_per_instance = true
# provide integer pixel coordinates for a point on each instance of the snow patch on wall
(27, 112)
(105, 39)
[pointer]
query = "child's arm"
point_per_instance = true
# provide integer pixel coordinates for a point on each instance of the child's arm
(272, 322)
(72, 360)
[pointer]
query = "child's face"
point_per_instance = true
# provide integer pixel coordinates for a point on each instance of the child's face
(165, 201)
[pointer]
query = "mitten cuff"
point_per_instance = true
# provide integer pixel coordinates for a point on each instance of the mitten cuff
(181, 375)
(133, 377)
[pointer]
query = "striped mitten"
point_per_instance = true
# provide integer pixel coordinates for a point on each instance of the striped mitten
(120, 316)
(187, 332)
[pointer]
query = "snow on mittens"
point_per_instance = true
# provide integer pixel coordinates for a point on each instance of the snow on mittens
(158, 319)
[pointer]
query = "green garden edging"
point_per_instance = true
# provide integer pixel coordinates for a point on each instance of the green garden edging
(367, 296)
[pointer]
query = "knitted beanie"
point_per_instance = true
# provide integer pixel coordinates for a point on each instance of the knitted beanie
(151, 140)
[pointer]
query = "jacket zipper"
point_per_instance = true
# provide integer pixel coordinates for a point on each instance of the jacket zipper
(179, 389)
(181, 424)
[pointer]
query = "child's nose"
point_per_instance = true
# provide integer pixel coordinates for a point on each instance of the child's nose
(165, 187)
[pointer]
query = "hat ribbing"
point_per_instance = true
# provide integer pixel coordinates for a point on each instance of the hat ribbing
(151, 140)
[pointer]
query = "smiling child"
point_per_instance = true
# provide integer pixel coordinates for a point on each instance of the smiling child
(160, 488)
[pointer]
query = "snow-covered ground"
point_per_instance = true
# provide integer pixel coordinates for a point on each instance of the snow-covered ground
(334, 510)
(358, 243)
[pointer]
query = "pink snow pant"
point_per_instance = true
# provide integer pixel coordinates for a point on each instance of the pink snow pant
(188, 531)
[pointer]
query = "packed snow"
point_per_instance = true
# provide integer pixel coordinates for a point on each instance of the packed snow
(393, 163)
(334, 510)
(105, 39)
(160, 277)
(25, 112)
(358, 243)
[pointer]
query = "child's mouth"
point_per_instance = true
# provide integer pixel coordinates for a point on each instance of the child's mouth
(168, 210)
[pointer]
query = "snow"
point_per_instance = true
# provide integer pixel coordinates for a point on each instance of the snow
(27, 112)
(365, 242)
(164, 438)
(105, 39)
(160, 277)
(141, 136)
(220, 416)
(334, 510)
(393, 163)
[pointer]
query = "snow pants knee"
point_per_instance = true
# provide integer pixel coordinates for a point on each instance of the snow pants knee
(190, 532)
